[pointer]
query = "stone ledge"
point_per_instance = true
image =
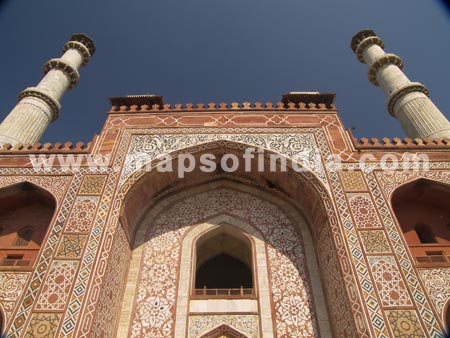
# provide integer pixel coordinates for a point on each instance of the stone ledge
(66, 148)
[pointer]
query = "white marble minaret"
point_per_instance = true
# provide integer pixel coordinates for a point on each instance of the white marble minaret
(407, 101)
(39, 106)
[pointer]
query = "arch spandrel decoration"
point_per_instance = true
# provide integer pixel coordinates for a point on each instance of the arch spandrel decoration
(56, 185)
(290, 145)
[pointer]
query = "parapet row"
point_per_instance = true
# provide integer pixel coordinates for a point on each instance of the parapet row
(289, 101)
(401, 143)
(68, 147)
(224, 106)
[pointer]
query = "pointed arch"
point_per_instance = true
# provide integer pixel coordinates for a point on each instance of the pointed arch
(223, 262)
(158, 238)
(223, 330)
(26, 211)
(421, 209)
(141, 192)
(312, 200)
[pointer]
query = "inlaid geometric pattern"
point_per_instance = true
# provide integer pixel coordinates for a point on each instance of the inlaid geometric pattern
(55, 184)
(114, 281)
(156, 292)
(405, 324)
(374, 241)
(43, 325)
(363, 210)
(61, 187)
(92, 185)
(332, 274)
(83, 302)
(352, 180)
(437, 283)
(11, 287)
(71, 246)
(345, 324)
(301, 146)
(82, 215)
(382, 184)
(390, 285)
(201, 324)
(57, 285)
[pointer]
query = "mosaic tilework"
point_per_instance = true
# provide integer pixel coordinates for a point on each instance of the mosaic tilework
(81, 289)
(394, 179)
(405, 324)
(57, 285)
(352, 180)
(156, 293)
(381, 193)
(11, 288)
(363, 210)
(82, 215)
(345, 323)
(365, 285)
(43, 325)
(292, 145)
(92, 185)
(390, 284)
(71, 246)
(332, 276)
(247, 324)
(58, 185)
(374, 241)
(437, 284)
(110, 295)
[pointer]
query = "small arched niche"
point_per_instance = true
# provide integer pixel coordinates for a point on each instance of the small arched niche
(422, 210)
(26, 211)
(224, 266)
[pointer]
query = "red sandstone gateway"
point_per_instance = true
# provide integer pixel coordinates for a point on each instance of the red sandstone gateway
(312, 234)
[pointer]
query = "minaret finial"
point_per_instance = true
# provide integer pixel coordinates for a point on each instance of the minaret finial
(407, 101)
(39, 106)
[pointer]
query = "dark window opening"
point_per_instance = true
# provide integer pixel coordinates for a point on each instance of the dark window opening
(26, 211)
(425, 234)
(224, 265)
(23, 237)
(223, 272)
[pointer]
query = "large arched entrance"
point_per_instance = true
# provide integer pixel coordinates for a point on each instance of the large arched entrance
(303, 199)
(286, 299)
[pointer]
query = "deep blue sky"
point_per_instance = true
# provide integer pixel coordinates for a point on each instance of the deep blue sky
(222, 51)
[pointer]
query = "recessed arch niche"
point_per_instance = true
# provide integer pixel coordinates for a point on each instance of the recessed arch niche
(26, 211)
(223, 261)
(422, 211)
(150, 191)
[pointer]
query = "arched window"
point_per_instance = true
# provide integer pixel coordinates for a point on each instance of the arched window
(24, 236)
(421, 208)
(25, 214)
(224, 264)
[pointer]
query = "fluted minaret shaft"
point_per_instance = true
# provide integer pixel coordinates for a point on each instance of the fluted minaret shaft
(407, 101)
(39, 106)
